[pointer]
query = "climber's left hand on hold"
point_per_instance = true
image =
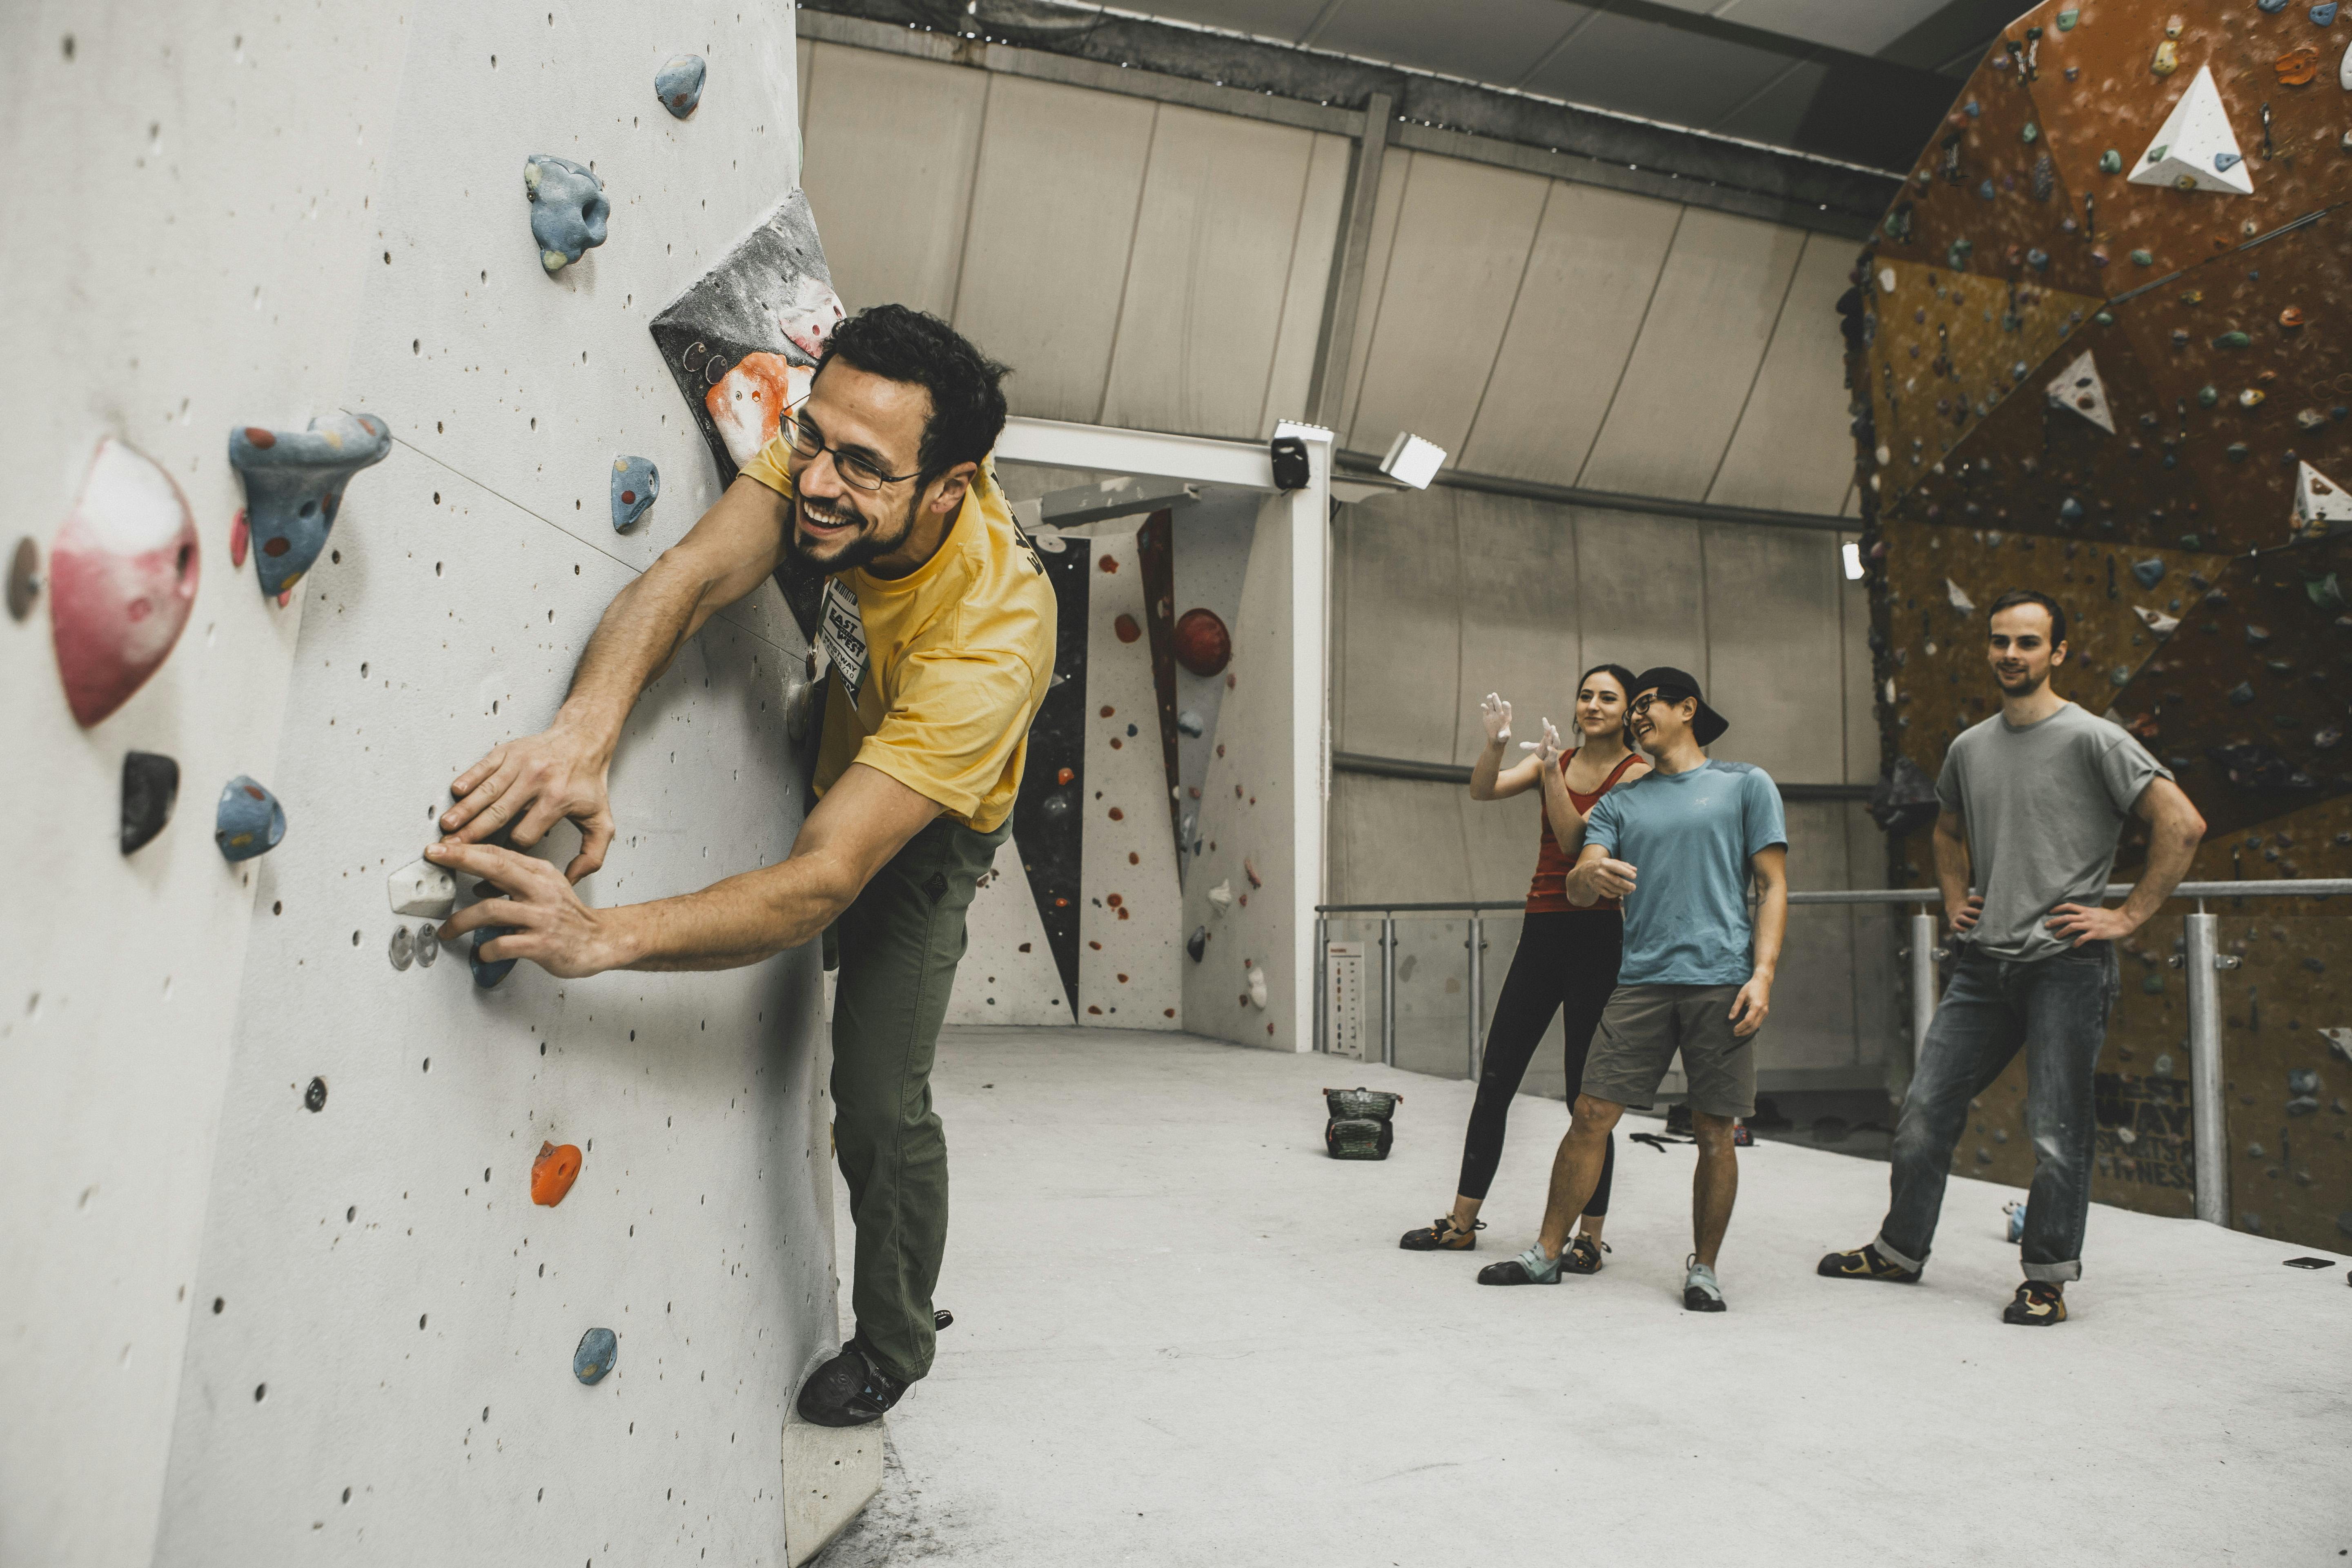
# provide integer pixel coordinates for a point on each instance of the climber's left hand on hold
(548, 923)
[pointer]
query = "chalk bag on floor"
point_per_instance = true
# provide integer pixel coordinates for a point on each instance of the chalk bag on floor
(1360, 1127)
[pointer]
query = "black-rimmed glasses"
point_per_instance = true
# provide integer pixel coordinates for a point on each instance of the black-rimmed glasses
(859, 473)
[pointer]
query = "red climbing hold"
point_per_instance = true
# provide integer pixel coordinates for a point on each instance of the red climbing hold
(1204, 646)
(122, 579)
(1117, 815)
(239, 536)
(1110, 562)
(552, 1173)
(1127, 629)
(1108, 710)
(1066, 775)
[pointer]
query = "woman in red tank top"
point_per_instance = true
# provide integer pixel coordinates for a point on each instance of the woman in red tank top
(1567, 959)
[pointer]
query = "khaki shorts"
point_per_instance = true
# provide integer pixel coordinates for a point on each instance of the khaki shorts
(1642, 1028)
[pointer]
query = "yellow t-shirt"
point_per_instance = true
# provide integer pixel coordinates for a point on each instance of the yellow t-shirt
(958, 654)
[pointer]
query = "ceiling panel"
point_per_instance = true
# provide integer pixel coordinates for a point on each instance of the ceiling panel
(1283, 19)
(1485, 40)
(1640, 67)
(1858, 26)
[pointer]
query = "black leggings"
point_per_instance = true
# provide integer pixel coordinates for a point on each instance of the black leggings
(1566, 962)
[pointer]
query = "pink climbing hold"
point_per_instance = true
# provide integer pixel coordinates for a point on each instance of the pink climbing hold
(122, 580)
(239, 535)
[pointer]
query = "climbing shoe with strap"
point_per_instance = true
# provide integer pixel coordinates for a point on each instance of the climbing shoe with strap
(1530, 1267)
(1700, 1291)
(1584, 1256)
(1865, 1263)
(1442, 1233)
(2037, 1305)
(848, 1391)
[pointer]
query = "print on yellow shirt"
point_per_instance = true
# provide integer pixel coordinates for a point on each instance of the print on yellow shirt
(958, 654)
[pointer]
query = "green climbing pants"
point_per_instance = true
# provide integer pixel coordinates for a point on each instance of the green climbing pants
(899, 944)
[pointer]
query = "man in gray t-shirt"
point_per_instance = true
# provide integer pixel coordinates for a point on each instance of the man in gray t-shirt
(2033, 801)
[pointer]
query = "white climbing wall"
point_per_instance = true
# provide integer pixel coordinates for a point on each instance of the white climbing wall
(1007, 975)
(253, 216)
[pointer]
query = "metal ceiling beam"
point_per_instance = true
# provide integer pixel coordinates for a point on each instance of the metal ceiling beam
(1362, 466)
(1239, 75)
(1336, 339)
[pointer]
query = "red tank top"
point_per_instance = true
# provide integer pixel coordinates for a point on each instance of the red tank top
(1549, 892)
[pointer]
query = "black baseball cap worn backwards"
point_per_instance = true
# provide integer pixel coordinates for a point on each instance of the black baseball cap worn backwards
(1677, 684)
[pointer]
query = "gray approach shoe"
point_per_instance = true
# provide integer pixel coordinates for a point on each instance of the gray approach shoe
(1700, 1292)
(1530, 1267)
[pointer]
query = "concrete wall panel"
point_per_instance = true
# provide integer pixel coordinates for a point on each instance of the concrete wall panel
(891, 147)
(1054, 202)
(1395, 166)
(1776, 649)
(1520, 636)
(1791, 451)
(1464, 231)
(1692, 366)
(1292, 371)
(1642, 598)
(1209, 275)
(1595, 263)
(1396, 592)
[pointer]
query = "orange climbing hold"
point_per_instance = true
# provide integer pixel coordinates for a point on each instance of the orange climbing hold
(552, 1173)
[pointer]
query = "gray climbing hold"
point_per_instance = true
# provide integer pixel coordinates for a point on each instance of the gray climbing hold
(598, 1349)
(421, 888)
(2302, 1105)
(679, 84)
(2070, 511)
(636, 485)
(23, 578)
(403, 948)
(151, 786)
(2302, 1080)
(248, 821)
(428, 944)
(2257, 636)
(294, 482)
(1198, 942)
(2149, 571)
(488, 972)
(1190, 724)
(568, 209)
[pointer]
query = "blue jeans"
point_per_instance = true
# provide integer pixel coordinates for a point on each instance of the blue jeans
(2055, 1008)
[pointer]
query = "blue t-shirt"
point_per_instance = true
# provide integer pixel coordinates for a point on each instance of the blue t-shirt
(1688, 838)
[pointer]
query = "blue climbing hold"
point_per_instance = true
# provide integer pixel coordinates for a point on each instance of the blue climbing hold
(248, 821)
(1972, 109)
(2271, 7)
(2149, 571)
(2037, 260)
(2225, 161)
(679, 84)
(598, 1349)
(568, 209)
(635, 483)
(2070, 511)
(2240, 694)
(488, 972)
(1984, 190)
(2325, 15)
(294, 482)
(1190, 724)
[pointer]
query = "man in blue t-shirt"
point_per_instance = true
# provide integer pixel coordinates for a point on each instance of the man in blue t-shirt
(1678, 846)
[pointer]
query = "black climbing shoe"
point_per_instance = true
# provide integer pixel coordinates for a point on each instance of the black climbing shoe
(1865, 1263)
(1584, 1256)
(2037, 1305)
(848, 1391)
(1442, 1234)
(1700, 1291)
(1530, 1267)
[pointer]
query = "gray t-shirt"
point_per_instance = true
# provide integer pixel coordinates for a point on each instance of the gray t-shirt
(2042, 807)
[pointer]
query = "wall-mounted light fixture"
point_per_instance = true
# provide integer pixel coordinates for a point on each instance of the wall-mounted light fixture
(1852, 550)
(1411, 460)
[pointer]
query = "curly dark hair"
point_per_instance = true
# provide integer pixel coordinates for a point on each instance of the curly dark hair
(913, 346)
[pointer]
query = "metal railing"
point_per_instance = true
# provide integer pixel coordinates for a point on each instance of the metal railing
(2200, 958)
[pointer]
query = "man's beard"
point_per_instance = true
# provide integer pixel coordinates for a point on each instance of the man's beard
(2023, 685)
(862, 548)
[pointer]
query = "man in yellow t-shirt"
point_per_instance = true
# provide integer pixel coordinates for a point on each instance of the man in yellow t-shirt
(939, 627)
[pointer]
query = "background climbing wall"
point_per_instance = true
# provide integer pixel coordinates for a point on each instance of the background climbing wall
(385, 1324)
(2118, 391)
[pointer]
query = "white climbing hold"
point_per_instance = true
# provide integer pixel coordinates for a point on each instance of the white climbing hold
(2079, 388)
(1960, 600)
(2197, 149)
(421, 888)
(1222, 895)
(2158, 621)
(2321, 505)
(1257, 987)
(1886, 279)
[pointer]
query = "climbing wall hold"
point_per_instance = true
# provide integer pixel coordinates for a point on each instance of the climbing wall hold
(2196, 150)
(2321, 505)
(1220, 897)
(2167, 60)
(151, 786)
(2297, 66)
(488, 972)
(2111, 162)
(636, 485)
(747, 404)
(1257, 987)
(122, 578)
(401, 950)
(2148, 573)
(2156, 621)
(1204, 646)
(23, 578)
(248, 821)
(314, 1098)
(598, 1349)
(568, 209)
(1959, 598)
(2079, 388)
(1190, 724)
(1126, 629)
(294, 482)
(2068, 17)
(428, 944)
(421, 888)
(552, 1173)
(240, 536)
(1249, 869)
(1198, 942)
(679, 83)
